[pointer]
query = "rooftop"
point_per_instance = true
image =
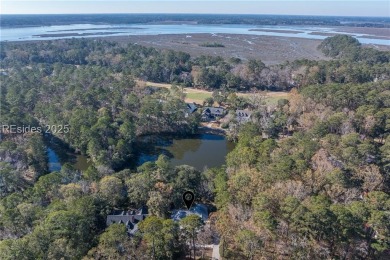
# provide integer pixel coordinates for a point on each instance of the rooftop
(130, 218)
(196, 209)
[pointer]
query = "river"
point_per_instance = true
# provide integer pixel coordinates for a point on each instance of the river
(199, 151)
(95, 30)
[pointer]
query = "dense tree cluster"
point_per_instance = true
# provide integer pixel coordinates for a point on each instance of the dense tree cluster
(308, 179)
(104, 111)
(63, 214)
(338, 45)
(22, 161)
(357, 64)
(322, 192)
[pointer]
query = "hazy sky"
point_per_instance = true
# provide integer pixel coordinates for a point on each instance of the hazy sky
(313, 7)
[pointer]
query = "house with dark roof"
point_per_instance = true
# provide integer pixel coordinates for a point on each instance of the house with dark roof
(190, 109)
(211, 113)
(243, 116)
(130, 218)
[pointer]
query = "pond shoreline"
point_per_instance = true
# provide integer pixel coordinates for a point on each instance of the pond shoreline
(207, 147)
(211, 130)
(59, 153)
(202, 129)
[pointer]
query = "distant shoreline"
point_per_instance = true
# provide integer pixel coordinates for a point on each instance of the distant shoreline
(21, 20)
(48, 35)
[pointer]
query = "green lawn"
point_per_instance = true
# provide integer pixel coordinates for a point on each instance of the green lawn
(274, 100)
(199, 97)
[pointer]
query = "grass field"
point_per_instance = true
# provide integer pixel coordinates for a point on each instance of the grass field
(199, 95)
(272, 98)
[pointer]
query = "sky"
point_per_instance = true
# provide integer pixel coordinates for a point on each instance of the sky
(286, 7)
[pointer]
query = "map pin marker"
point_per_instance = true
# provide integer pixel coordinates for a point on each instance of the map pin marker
(188, 198)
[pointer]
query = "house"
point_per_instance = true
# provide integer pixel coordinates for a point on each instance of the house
(243, 116)
(197, 209)
(211, 113)
(130, 218)
(190, 108)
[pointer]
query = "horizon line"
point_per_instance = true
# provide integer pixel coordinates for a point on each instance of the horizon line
(307, 15)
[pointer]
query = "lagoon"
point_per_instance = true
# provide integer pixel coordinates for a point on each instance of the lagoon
(200, 151)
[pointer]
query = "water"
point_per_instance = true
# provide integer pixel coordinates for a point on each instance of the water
(92, 30)
(59, 153)
(78, 161)
(199, 151)
(82, 162)
(54, 162)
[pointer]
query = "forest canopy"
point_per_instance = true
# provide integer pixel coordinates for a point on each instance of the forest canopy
(308, 178)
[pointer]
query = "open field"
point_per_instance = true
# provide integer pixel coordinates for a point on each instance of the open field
(199, 95)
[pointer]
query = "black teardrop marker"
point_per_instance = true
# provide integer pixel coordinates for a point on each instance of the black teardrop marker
(188, 198)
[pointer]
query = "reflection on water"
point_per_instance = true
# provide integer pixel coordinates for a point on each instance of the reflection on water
(199, 151)
(180, 147)
(59, 153)
(54, 163)
(78, 161)
(82, 162)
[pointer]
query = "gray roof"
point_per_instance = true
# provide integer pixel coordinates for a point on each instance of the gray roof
(191, 107)
(198, 209)
(134, 219)
(130, 218)
(214, 110)
(243, 113)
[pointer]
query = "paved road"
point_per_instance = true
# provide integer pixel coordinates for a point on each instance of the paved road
(216, 255)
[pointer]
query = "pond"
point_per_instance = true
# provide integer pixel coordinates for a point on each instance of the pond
(54, 162)
(199, 151)
(78, 161)
(59, 153)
